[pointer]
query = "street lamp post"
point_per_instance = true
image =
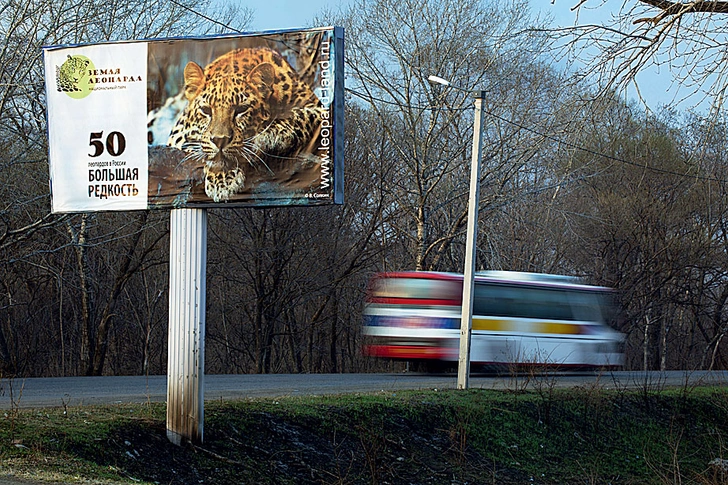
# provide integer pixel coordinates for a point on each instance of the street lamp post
(466, 319)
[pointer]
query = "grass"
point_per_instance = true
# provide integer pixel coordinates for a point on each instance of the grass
(579, 436)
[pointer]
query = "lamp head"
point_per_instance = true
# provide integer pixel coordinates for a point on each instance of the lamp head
(438, 80)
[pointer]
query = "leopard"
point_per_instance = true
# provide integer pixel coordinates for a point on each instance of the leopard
(70, 73)
(247, 110)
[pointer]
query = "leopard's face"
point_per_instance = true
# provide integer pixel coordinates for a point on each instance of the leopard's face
(70, 73)
(221, 123)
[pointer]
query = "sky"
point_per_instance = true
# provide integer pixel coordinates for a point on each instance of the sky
(285, 14)
(288, 14)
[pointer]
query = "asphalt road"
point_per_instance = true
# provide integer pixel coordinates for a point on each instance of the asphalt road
(80, 391)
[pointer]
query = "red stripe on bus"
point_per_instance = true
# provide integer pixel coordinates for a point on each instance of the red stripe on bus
(406, 351)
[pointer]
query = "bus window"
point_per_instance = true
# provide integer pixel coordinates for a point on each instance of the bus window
(416, 288)
(517, 302)
(548, 304)
(495, 300)
(590, 306)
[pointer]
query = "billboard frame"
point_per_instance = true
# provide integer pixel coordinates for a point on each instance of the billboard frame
(80, 182)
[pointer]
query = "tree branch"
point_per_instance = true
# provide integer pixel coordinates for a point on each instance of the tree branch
(678, 9)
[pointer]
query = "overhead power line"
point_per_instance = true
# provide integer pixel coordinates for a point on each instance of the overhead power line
(549, 137)
(201, 15)
(518, 125)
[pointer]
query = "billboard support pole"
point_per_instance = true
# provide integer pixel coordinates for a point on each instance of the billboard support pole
(186, 338)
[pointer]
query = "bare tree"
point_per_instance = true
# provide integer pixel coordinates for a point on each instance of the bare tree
(65, 278)
(684, 40)
(392, 49)
(645, 211)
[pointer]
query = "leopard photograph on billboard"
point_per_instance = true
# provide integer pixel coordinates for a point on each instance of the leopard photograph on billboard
(237, 121)
(246, 119)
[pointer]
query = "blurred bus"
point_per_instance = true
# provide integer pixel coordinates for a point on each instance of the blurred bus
(523, 319)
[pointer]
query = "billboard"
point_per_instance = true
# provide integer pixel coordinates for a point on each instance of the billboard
(228, 121)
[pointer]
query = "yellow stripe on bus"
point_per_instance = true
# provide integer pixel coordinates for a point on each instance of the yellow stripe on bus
(561, 328)
(492, 324)
(505, 325)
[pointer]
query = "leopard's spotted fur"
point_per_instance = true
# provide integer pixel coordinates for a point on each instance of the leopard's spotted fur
(246, 110)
